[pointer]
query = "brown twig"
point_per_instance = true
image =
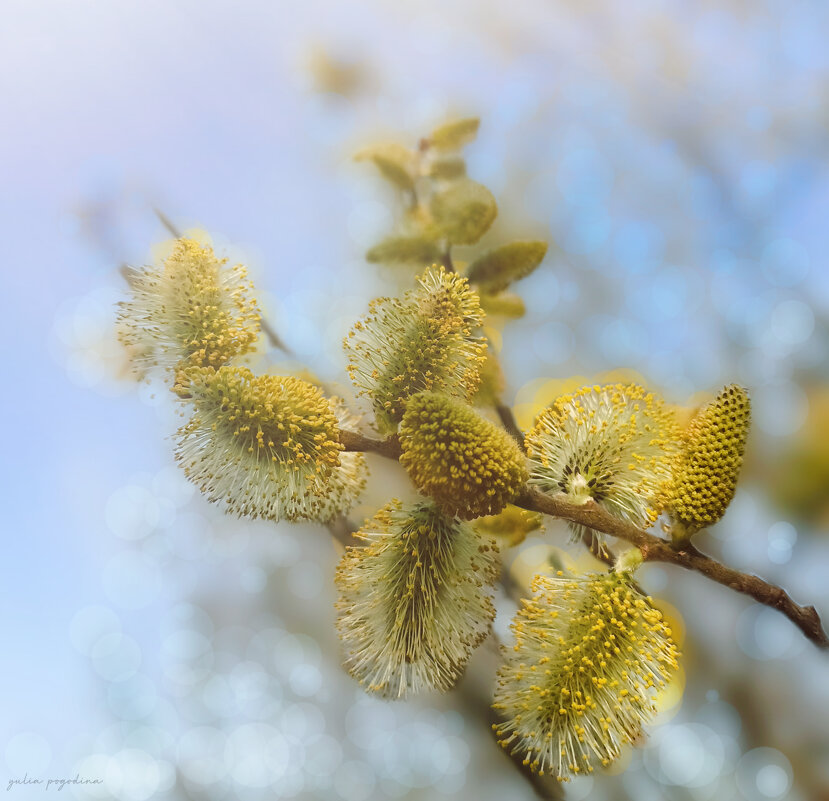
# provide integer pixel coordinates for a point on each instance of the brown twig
(509, 422)
(342, 530)
(654, 549)
(599, 550)
(353, 441)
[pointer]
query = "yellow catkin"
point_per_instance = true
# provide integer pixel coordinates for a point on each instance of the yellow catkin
(614, 444)
(579, 682)
(193, 309)
(266, 446)
(428, 340)
(709, 465)
(415, 601)
(469, 466)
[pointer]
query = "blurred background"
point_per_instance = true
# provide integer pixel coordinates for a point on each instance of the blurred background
(675, 156)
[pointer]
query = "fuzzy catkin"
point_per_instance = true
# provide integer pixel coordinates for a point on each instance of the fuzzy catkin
(468, 465)
(415, 601)
(193, 309)
(267, 446)
(427, 340)
(613, 444)
(579, 682)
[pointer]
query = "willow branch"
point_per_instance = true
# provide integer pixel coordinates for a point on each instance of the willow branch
(508, 421)
(654, 549)
(352, 441)
(342, 530)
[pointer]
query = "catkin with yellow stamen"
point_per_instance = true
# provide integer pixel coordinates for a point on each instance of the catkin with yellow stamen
(709, 465)
(266, 446)
(415, 601)
(468, 465)
(193, 309)
(427, 340)
(589, 655)
(613, 444)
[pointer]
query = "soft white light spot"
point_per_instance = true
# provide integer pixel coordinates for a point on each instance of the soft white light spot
(132, 512)
(201, 755)
(115, 657)
(131, 580)
(90, 624)
(792, 322)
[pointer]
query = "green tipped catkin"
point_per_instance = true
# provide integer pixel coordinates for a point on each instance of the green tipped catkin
(589, 655)
(193, 309)
(267, 446)
(427, 340)
(415, 601)
(709, 465)
(468, 465)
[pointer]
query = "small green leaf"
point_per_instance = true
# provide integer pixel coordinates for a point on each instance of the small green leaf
(448, 169)
(403, 249)
(496, 270)
(464, 212)
(505, 305)
(455, 134)
(395, 162)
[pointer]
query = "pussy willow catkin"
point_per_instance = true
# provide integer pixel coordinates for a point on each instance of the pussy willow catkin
(579, 682)
(193, 309)
(266, 446)
(427, 340)
(709, 464)
(614, 444)
(415, 601)
(468, 465)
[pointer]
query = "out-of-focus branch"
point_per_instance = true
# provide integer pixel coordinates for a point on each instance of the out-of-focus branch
(654, 549)
(508, 421)
(342, 530)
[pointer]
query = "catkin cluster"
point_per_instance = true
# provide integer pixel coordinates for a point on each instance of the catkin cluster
(265, 446)
(415, 597)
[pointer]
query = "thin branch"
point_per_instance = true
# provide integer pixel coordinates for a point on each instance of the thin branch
(509, 422)
(654, 549)
(353, 441)
(342, 530)
(689, 557)
(167, 223)
(273, 337)
(448, 264)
